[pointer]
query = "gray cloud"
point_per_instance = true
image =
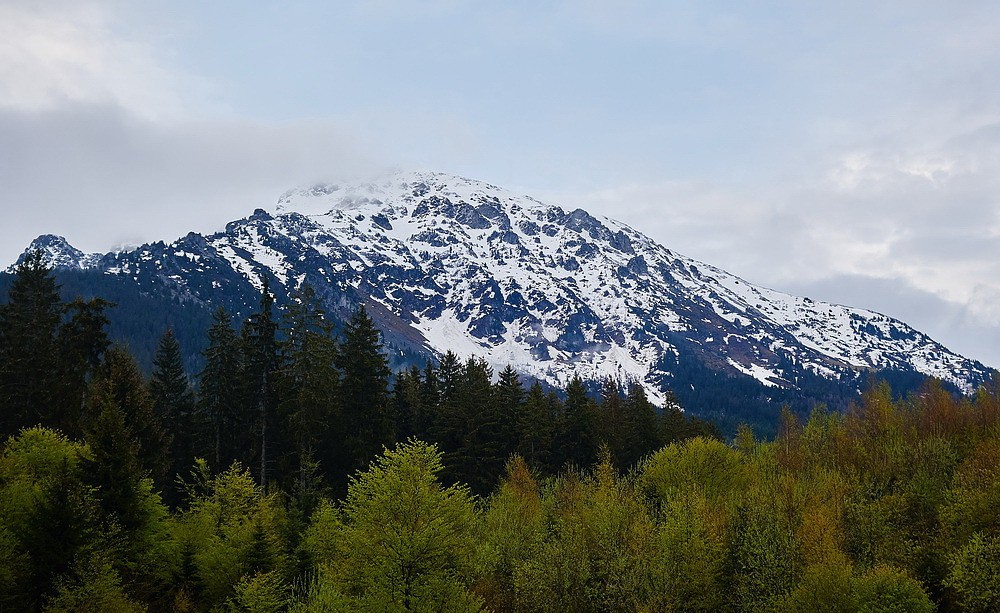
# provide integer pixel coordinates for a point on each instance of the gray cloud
(102, 176)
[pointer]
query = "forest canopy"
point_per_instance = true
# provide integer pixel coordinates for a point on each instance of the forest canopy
(296, 472)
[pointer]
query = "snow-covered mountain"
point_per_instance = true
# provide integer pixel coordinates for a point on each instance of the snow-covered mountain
(446, 263)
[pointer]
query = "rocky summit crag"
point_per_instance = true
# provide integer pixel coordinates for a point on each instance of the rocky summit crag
(447, 263)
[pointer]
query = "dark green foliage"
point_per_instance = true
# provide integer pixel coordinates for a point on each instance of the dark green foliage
(535, 427)
(174, 405)
(82, 343)
(219, 399)
(366, 421)
(64, 526)
(614, 504)
(29, 358)
(576, 438)
(309, 386)
(118, 382)
(261, 362)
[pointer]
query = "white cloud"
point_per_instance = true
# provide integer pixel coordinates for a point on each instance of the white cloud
(54, 53)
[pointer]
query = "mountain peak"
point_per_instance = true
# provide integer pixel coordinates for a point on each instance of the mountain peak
(449, 263)
(57, 253)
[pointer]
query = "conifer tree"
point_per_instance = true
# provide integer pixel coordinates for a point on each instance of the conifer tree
(120, 383)
(508, 394)
(28, 347)
(430, 399)
(535, 428)
(366, 420)
(174, 405)
(132, 516)
(408, 405)
(613, 423)
(642, 434)
(63, 527)
(219, 391)
(479, 459)
(82, 343)
(309, 382)
(575, 438)
(260, 347)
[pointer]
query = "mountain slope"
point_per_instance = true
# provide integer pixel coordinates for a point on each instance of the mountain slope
(450, 263)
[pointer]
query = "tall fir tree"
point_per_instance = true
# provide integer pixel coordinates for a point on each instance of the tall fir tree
(575, 442)
(612, 423)
(219, 392)
(309, 384)
(408, 405)
(29, 366)
(261, 362)
(174, 405)
(366, 420)
(83, 339)
(119, 382)
(508, 395)
(535, 428)
(643, 431)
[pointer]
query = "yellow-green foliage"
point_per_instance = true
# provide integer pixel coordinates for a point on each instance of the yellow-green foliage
(709, 465)
(233, 532)
(404, 542)
(975, 574)
(94, 587)
(31, 461)
(876, 510)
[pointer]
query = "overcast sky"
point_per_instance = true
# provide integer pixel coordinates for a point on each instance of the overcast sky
(850, 152)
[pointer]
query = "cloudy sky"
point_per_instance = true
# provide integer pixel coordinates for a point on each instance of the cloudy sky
(849, 152)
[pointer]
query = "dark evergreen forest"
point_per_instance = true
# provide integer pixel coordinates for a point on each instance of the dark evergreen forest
(294, 471)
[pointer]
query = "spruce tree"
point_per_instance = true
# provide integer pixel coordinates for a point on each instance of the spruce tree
(575, 442)
(309, 384)
(119, 382)
(535, 428)
(82, 342)
(260, 347)
(408, 405)
(366, 418)
(508, 395)
(29, 365)
(613, 423)
(218, 392)
(174, 405)
(643, 432)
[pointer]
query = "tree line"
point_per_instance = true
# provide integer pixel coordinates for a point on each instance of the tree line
(326, 483)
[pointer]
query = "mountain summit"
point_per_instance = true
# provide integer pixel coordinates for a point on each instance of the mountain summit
(447, 263)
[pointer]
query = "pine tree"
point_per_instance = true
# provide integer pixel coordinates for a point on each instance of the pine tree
(613, 422)
(642, 426)
(119, 382)
(82, 343)
(63, 527)
(309, 381)
(480, 459)
(260, 347)
(408, 405)
(366, 418)
(535, 428)
(447, 380)
(174, 405)
(575, 437)
(219, 391)
(132, 516)
(29, 364)
(508, 394)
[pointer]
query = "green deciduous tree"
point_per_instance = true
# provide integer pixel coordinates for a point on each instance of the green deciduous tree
(407, 542)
